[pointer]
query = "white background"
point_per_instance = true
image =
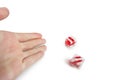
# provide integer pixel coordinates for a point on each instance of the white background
(94, 23)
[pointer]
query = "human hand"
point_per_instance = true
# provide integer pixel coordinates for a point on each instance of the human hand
(18, 51)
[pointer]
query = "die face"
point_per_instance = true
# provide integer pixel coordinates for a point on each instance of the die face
(67, 43)
(71, 38)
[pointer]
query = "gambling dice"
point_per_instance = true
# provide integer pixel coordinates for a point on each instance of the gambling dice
(75, 61)
(70, 41)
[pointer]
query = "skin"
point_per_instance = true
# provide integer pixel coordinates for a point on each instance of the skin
(18, 51)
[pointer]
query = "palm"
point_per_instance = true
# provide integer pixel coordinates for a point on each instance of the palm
(18, 51)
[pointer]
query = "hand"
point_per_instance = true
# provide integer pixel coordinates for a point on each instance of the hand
(18, 51)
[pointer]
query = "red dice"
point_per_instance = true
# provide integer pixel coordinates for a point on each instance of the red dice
(70, 41)
(76, 61)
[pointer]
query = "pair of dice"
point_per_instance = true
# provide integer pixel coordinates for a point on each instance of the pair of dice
(76, 61)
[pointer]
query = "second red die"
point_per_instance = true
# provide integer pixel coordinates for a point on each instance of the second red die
(76, 61)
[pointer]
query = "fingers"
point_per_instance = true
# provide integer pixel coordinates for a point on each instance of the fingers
(33, 47)
(34, 51)
(4, 12)
(32, 44)
(27, 36)
(27, 62)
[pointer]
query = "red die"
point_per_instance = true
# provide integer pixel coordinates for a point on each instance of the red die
(70, 41)
(76, 61)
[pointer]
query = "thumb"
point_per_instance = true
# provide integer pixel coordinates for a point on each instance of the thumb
(4, 12)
